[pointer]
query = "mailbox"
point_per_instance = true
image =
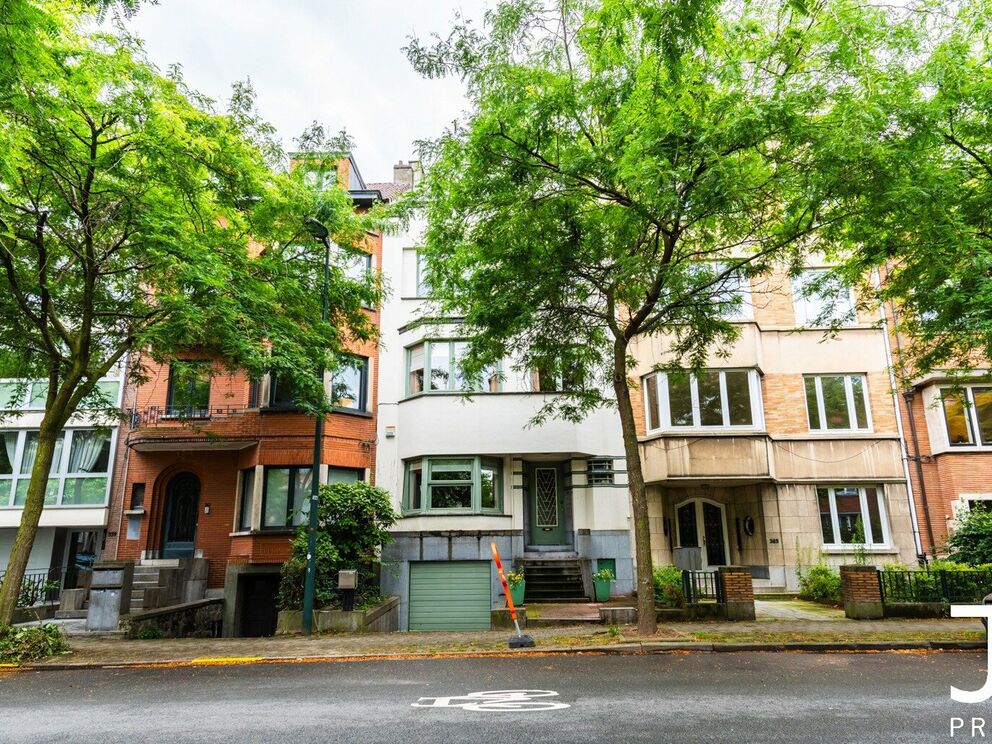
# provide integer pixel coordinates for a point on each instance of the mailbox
(348, 579)
(110, 594)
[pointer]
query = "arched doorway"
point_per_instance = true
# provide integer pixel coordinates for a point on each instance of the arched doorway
(702, 523)
(182, 500)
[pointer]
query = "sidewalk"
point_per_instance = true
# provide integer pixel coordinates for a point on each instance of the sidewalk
(763, 634)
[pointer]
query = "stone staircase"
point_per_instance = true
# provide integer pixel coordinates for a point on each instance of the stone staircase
(552, 580)
(164, 582)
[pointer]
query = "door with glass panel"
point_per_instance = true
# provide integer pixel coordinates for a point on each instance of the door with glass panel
(702, 524)
(547, 504)
(182, 498)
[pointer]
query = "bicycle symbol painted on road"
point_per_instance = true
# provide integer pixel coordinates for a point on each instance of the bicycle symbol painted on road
(496, 701)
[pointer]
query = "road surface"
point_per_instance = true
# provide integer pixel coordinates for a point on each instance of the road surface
(699, 697)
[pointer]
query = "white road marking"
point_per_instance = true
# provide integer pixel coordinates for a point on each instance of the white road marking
(494, 701)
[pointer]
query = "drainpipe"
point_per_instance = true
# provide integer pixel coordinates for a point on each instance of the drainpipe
(908, 396)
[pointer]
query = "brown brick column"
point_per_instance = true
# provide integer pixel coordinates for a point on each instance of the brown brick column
(738, 592)
(860, 590)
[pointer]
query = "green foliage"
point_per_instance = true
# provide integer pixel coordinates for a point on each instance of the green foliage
(971, 541)
(515, 578)
(613, 630)
(604, 574)
(30, 643)
(353, 524)
(858, 543)
(820, 583)
(33, 592)
(149, 633)
(668, 586)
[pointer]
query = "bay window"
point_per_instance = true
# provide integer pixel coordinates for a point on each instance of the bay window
(837, 402)
(285, 497)
(80, 472)
(844, 508)
(968, 415)
(711, 399)
(453, 485)
(349, 384)
(436, 367)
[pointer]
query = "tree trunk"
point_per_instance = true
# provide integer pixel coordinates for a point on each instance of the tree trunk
(647, 623)
(30, 516)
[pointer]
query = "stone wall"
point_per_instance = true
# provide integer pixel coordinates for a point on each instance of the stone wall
(200, 619)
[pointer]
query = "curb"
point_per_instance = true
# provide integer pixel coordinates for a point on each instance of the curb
(623, 649)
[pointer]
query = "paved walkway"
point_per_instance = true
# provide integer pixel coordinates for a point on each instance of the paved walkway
(796, 609)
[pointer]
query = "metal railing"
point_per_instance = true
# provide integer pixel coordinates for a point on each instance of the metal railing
(702, 585)
(180, 415)
(968, 586)
(38, 587)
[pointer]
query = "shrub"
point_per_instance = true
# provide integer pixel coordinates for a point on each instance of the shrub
(19, 645)
(353, 521)
(971, 542)
(820, 583)
(668, 586)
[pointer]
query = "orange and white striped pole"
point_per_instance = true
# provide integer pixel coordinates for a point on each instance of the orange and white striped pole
(521, 640)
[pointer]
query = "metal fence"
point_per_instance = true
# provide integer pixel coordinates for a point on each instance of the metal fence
(179, 415)
(702, 585)
(38, 587)
(953, 587)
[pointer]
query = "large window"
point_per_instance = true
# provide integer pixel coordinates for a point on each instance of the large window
(453, 484)
(844, 508)
(282, 396)
(968, 414)
(436, 367)
(712, 399)
(837, 402)
(820, 300)
(422, 285)
(350, 383)
(16, 395)
(732, 293)
(247, 499)
(189, 390)
(285, 497)
(80, 471)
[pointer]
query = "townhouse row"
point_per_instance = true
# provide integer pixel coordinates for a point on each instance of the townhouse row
(778, 453)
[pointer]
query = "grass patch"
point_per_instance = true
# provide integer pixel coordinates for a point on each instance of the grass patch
(838, 637)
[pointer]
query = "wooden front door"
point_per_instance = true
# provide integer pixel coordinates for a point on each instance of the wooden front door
(182, 502)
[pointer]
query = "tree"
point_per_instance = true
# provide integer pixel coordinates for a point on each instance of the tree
(921, 183)
(135, 221)
(971, 542)
(623, 162)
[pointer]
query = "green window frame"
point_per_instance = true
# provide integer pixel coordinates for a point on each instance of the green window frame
(433, 367)
(453, 485)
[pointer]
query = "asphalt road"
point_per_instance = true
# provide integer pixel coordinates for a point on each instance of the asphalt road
(715, 697)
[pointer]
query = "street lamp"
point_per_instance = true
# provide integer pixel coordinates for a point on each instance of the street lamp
(320, 232)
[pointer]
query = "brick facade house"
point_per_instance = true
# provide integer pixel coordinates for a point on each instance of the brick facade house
(212, 465)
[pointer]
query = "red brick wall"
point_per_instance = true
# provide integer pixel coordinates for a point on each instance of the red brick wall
(860, 584)
(737, 584)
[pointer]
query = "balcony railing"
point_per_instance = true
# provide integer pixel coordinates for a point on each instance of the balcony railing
(190, 416)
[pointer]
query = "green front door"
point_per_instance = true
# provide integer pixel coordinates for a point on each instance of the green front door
(547, 505)
(450, 595)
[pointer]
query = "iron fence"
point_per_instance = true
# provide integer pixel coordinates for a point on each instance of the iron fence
(702, 585)
(171, 415)
(38, 587)
(968, 586)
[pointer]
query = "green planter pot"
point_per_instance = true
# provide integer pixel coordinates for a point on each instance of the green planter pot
(517, 593)
(602, 587)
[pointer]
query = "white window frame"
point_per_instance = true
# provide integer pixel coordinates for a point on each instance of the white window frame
(481, 388)
(58, 474)
(971, 417)
(116, 375)
(663, 414)
(835, 520)
(801, 304)
(745, 310)
(849, 395)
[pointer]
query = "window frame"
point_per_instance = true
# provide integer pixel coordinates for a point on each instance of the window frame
(247, 498)
(972, 421)
(883, 514)
(662, 415)
(421, 288)
(364, 369)
(60, 474)
(290, 497)
(477, 464)
(191, 411)
(801, 301)
(479, 388)
(745, 311)
(852, 417)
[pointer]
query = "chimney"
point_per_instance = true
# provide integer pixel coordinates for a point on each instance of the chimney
(406, 174)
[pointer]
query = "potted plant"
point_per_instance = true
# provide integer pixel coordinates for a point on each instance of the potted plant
(601, 580)
(515, 580)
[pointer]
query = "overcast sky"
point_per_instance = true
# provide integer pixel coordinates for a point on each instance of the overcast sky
(335, 61)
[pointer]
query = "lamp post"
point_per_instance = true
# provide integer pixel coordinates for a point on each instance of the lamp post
(320, 232)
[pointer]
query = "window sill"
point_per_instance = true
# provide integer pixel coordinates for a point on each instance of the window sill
(352, 412)
(273, 531)
(708, 432)
(411, 515)
(850, 549)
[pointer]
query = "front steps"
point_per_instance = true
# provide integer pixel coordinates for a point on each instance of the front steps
(552, 580)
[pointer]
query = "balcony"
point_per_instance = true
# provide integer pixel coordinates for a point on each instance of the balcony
(176, 428)
(729, 458)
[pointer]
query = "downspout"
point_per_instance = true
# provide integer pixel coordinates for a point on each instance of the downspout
(908, 396)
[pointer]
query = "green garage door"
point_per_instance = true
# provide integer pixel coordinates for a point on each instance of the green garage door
(450, 595)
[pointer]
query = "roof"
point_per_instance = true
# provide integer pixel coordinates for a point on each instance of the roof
(390, 191)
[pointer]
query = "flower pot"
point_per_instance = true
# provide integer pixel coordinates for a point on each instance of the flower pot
(602, 587)
(517, 593)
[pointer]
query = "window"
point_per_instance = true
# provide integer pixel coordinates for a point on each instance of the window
(453, 484)
(345, 475)
(247, 499)
(349, 385)
(837, 402)
(423, 287)
(285, 497)
(357, 265)
(321, 178)
(80, 467)
(712, 399)
(281, 394)
(819, 300)
(599, 472)
(844, 508)
(189, 390)
(732, 293)
(549, 381)
(968, 414)
(436, 367)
